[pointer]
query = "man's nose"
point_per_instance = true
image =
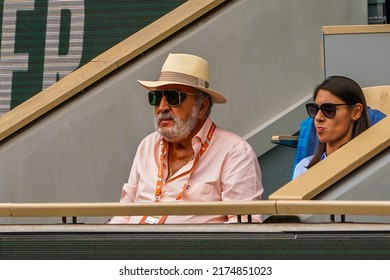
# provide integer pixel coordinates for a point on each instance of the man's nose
(164, 105)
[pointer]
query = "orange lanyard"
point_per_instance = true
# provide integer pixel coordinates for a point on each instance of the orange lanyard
(203, 149)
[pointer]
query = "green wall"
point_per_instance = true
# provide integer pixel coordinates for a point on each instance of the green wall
(43, 41)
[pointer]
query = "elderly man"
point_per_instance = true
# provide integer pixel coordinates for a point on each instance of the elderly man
(189, 158)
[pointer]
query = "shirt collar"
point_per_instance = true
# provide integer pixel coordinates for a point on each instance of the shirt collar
(202, 133)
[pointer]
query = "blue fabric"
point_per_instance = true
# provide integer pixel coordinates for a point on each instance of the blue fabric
(375, 116)
(308, 141)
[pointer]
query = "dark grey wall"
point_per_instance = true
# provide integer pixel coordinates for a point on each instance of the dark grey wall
(276, 166)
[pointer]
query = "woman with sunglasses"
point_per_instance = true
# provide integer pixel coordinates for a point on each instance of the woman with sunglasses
(189, 158)
(339, 112)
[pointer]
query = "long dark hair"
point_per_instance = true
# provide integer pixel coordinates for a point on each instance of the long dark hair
(349, 92)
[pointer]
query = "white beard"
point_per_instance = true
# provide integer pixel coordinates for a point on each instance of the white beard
(180, 129)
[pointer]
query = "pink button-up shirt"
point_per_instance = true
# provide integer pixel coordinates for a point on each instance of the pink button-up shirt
(227, 171)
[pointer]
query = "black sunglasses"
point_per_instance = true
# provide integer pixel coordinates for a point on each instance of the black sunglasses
(173, 97)
(328, 109)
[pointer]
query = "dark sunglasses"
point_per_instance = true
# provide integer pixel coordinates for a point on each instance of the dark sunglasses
(328, 109)
(173, 97)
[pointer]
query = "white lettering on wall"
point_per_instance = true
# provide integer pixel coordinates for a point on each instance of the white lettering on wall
(57, 66)
(9, 60)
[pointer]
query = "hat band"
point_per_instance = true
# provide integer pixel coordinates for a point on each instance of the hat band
(183, 78)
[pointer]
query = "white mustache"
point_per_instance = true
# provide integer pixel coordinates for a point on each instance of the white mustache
(165, 116)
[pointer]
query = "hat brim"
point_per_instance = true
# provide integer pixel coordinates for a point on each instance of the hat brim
(152, 85)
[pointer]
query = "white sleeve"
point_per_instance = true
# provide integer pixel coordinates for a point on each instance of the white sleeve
(301, 167)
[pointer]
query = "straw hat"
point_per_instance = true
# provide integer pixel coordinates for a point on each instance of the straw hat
(185, 69)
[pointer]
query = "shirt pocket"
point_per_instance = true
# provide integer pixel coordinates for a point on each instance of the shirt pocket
(204, 192)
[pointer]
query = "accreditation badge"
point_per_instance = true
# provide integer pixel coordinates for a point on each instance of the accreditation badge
(153, 220)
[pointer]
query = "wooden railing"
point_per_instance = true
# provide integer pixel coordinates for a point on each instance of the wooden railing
(276, 207)
(353, 29)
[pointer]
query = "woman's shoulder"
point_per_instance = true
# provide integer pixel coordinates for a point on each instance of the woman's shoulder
(301, 166)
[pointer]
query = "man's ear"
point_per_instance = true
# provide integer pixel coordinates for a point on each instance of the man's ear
(204, 107)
